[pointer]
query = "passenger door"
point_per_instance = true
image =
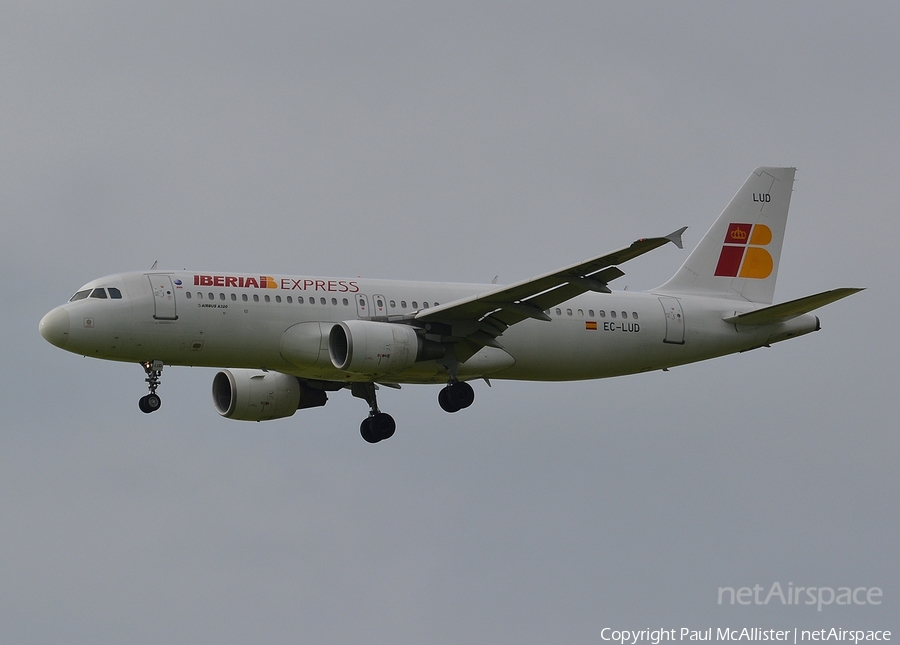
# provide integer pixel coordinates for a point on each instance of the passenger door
(674, 320)
(163, 296)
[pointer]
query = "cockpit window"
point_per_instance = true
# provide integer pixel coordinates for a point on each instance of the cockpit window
(100, 293)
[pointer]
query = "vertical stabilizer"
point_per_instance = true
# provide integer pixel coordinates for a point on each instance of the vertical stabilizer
(738, 257)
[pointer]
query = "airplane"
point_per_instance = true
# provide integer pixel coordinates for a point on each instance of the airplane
(284, 342)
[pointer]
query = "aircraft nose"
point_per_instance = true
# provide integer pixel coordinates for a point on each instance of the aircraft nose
(55, 327)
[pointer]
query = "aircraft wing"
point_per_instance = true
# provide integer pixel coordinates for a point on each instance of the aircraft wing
(481, 318)
(791, 309)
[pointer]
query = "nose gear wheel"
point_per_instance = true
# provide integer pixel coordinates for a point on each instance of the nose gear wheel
(149, 403)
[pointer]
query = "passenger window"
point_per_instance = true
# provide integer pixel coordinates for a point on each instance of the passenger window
(234, 297)
(334, 301)
(602, 313)
(81, 295)
(568, 312)
(267, 298)
(624, 314)
(289, 300)
(99, 293)
(634, 315)
(255, 298)
(393, 304)
(379, 302)
(558, 311)
(187, 294)
(346, 302)
(115, 294)
(415, 304)
(299, 300)
(402, 304)
(591, 313)
(322, 300)
(612, 314)
(244, 297)
(199, 295)
(581, 313)
(221, 296)
(277, 298)
(425, 305)
(212, 296)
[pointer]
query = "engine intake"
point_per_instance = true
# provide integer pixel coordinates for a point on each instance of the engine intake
(254, 395)
(371, 347)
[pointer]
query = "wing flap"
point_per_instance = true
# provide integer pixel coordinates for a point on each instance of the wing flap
(791, 309)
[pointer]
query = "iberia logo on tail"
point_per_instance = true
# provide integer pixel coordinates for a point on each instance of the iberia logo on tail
(743, 255)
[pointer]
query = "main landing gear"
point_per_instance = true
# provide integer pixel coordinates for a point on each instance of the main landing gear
(456, 396)
(378, 426)
(151, 402)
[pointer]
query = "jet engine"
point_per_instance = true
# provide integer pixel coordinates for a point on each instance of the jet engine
(371, 347)
(254, 395)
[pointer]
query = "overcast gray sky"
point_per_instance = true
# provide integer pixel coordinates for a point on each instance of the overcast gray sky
(448, 141)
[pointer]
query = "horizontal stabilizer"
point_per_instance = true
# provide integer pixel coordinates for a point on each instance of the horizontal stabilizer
(788, 310)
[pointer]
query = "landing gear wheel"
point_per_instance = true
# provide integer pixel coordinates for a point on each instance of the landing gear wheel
(384, 425)
(465, 395)
(153, 402)
(456, 396)
(149, 403)
(365, 429)
(446, 401)
(378, 427)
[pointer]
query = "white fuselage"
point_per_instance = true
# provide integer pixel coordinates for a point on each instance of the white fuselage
(281, 323)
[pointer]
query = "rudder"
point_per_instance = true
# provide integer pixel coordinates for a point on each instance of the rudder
(738, 257)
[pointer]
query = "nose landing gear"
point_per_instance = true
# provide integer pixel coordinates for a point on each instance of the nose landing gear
(151, 402)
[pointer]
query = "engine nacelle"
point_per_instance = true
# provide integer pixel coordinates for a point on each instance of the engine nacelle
(371, 347)
(254, 395)
(306, 344)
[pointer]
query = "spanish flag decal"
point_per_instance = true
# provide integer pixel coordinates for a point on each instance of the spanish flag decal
(743, 255)
(590, 324)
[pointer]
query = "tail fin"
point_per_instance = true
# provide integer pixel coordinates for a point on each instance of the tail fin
(738, 257)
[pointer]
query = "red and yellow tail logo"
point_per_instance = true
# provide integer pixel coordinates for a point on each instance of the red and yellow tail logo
(743, 255)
